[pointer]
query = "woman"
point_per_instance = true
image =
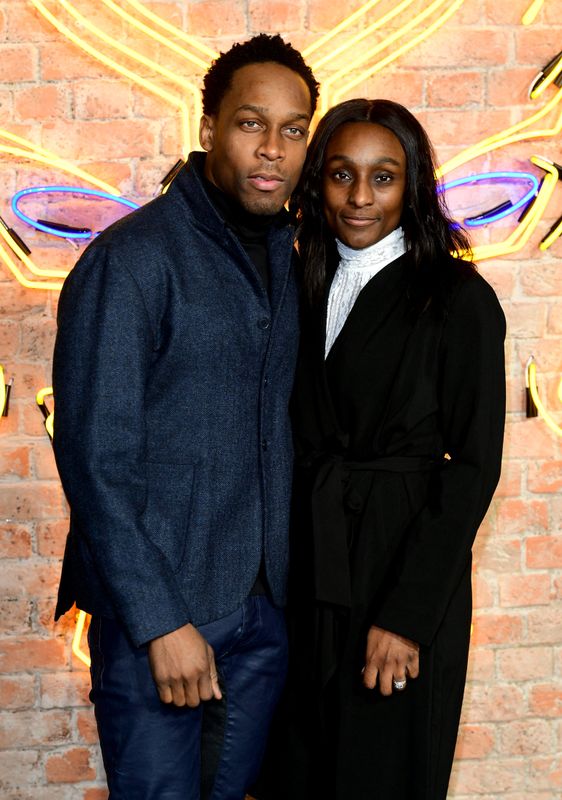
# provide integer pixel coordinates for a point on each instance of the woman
(398, 416)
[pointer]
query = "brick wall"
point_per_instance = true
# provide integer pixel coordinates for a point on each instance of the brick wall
(468, 81)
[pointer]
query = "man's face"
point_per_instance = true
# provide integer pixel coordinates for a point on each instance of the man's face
(256, 143)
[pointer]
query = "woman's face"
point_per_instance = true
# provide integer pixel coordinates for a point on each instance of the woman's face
(364, 181)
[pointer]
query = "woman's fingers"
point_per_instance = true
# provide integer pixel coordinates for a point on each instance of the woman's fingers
(390, 660)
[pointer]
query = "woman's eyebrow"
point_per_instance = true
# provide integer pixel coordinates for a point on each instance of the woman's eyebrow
(376, 162)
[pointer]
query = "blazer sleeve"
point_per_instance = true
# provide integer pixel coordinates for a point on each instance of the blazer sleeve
(436, 549)
(101, 364)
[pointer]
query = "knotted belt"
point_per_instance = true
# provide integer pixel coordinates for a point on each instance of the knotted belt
(331, 497)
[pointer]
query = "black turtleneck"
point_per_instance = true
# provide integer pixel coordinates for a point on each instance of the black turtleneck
(251, 230)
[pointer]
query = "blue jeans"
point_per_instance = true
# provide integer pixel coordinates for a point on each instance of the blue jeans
(154, 751)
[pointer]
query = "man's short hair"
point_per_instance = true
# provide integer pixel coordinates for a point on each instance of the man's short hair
(258, 50)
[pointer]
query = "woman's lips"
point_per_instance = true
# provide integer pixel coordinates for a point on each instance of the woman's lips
(266, 183)
(359, 222)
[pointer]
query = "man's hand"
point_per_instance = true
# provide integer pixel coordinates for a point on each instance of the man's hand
(389, 657)
(183, 667)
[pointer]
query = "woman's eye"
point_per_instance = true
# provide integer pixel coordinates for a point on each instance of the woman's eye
(341, 177)
(385, 178)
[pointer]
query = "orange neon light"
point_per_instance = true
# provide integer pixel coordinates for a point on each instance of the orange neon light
(82, 620)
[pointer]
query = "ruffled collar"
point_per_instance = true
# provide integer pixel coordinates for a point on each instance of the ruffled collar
(374, 257)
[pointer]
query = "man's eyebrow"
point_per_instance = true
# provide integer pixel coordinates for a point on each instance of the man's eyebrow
(292, 115)
(376, 162)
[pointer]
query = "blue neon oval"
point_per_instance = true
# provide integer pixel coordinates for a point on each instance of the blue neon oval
(64, 190)
(491, 177)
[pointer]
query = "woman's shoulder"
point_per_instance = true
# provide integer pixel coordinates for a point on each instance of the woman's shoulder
(471, 297)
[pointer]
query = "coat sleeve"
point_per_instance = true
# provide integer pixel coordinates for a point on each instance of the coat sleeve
(437, 547)
(102, 361)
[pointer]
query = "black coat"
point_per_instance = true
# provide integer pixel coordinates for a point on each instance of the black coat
(399, 437)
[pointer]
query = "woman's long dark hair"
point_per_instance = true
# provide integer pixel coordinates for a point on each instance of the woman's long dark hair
(428, 229)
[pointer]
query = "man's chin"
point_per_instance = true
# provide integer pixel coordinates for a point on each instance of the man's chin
(262, 207)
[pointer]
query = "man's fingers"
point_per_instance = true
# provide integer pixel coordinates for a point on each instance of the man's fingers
(165, 693)
(214, 676)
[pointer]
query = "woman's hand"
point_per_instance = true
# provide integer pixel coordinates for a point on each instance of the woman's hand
(389, 657)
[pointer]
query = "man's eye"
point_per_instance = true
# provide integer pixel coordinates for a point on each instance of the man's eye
(295, 133)
(250, 124)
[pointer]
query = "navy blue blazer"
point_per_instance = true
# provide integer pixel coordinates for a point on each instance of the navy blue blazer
(172, 373)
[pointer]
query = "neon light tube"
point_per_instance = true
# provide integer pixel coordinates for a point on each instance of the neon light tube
(531, 377)
(489, 177)
(52, 229)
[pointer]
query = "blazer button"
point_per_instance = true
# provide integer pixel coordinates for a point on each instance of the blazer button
(263, 323)
(264, 444)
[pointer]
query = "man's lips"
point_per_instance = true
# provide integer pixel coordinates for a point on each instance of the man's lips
(266, 182)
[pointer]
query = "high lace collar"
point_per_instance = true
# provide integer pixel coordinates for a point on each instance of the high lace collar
(376, 256)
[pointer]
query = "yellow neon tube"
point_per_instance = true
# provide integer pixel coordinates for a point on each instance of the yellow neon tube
(422, 15)
(507, 136)
(340, 27)
(20, 277)
(531, 13)
(362, 34)
(155, 35)
(521, 235)
(77, 638)
(545, 415)
(553, 74)
(183, 83)
(176, 32)
(550, 238)
(109, 62)
(40, 400)
(2, 390)
(24, 258)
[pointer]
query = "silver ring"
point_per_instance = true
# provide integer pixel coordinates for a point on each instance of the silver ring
(399, 685)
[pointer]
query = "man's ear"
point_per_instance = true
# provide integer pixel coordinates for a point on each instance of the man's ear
(207, 132)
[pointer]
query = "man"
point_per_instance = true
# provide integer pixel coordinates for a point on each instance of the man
(172, 371)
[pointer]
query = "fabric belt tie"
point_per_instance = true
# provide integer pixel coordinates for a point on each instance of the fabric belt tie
(330, 500)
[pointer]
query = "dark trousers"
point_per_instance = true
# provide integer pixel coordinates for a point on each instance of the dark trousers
(154, 751)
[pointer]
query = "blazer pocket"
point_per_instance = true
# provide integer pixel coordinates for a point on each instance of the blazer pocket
(168, 508)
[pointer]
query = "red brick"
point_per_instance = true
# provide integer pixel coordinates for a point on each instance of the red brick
(525, 663)
(31, 654)
(17, 692)
(496, 629)
(475, 741)
(61, 60)
(25, 24)
(455, 89)
(542, 279)
(43, 459)
(38, 338)
(524, 590)
(546, 700)
(521, 516)
(510, 480)
(491, 702)
(536, 46)
(402, 86)
(528, 737)
(498, 776)
(545, 477)
(510, 87)
(497, 555)
(97, 99)
(21, 772)
(40, 102)
(97, 140)
(526, 438)
(14, 461)
(546, 773)
(62, 689)
(86, 724)
(544, 552)
(481, 665)
(217, 18)
(483, 591)
(29, 728)
(51, 537)
(18, 63)
(71, 766)
(525, 319)
(9, 340)
(31, 501)
(324, 16)
(544, 625)
(15, 541)
(15, 615)
(95, 794)
(451, 45)
(272, 16)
